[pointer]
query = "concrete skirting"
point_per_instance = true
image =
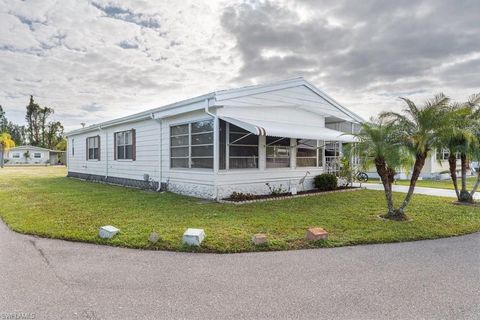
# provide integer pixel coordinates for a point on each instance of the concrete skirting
(140, 184)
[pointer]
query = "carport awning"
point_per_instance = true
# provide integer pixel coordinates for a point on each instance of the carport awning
(289, 130)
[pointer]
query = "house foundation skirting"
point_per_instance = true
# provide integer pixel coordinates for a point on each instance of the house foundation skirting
(141, 184)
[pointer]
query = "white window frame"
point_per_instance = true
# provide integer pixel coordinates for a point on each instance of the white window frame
(98, 147)
(124, 145)
(189, 134)
(39, 155)
(16, 155)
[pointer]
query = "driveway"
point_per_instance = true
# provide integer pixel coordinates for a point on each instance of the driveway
(53, 279)
(418, 190)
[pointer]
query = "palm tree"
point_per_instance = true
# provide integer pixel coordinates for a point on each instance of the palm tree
(378, 145)
(460, 137)
(416, 129)
(6, 143)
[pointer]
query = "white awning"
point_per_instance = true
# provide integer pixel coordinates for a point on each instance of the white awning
(289, 130)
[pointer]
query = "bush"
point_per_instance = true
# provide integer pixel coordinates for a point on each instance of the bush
(325, 182)
(239, 196)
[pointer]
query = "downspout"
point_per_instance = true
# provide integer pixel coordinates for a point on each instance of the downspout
(106, 152)
(152, 116)
(215, 147)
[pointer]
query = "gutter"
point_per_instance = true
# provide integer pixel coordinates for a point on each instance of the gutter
(215, 147)
(160, 173)
(100, 128)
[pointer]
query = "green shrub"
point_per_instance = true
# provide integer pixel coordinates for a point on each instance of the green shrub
(326, 182)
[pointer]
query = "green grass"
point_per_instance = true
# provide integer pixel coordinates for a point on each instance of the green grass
(440, 184)
(42, 201)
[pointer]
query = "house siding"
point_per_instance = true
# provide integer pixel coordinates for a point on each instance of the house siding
(147, 148)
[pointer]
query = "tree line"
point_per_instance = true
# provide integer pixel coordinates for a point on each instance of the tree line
(38, 131)
(403, 140)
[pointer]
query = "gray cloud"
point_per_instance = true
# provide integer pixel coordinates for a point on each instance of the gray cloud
(352, 44)
(100, 59)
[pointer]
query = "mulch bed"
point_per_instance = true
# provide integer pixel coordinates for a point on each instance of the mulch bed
(285, 195)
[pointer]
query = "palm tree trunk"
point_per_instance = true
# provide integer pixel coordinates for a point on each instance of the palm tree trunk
(452, 164)
(417, 168)
(464, 194)
(387, 179)
(475, 187)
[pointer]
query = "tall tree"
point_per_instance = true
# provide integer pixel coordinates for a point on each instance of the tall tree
(6, 143)
(417, 128)
(3, 120)
(53, 134)
(36, 118)
(17, 132)
(378, 145)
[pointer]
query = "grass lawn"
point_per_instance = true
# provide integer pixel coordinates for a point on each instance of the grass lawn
(440, 184)
(42, 201)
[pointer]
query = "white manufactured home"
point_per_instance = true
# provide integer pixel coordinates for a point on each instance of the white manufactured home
(31, 155)
(246, 140)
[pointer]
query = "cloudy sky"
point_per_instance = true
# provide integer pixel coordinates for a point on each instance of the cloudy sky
(96, 60)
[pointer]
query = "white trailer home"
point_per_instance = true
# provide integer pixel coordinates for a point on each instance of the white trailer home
(31, 155)
(224, 141)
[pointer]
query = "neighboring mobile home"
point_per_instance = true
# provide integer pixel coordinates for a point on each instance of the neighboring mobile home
(436, 167)
(31, 155)
(224, 141)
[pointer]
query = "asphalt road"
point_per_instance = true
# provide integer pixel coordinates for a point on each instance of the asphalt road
(52, 279)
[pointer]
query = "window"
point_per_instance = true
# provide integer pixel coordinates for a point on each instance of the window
(73, 147)
(442, 154)
(191, 145)
(125, 145)
(307, 153)
(278, 152)
(37, 155)
(242, 148)
(16, 155)
(93, 148)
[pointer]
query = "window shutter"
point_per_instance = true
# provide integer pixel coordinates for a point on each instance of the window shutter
(115, 146)
(134, 145)
(99, 148)
(86, 148)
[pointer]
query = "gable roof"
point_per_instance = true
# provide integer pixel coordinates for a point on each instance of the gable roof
(221, 95)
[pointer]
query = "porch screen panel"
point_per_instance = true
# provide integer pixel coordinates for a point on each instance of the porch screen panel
(306, 153)
(243, 148)
(278, 152)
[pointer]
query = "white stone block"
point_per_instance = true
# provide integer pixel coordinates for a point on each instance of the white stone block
(193, 237)
(107, 232)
